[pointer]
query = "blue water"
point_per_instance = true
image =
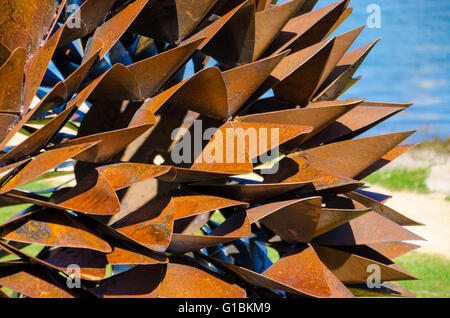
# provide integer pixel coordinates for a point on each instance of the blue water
(411, 63)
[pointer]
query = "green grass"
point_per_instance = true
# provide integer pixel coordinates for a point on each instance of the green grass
(401, 179)
(439, 146)
(217, 217)
(272, 254)
(10, 211)
(433, 271)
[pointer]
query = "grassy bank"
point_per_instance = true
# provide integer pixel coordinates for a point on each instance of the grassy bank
(401, 179)
(439, 146)
(433, 271)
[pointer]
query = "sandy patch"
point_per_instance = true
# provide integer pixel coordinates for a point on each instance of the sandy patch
(430, 209)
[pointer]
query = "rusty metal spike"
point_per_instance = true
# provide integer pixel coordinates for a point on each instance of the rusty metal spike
(393, 249)
(366, 229)
(249, 192)
(235, 144)
(90, 14)
(382, 209)
(336, 83)
(186, 175)
(11, 80)
(269, 22)
(263, 5)
(141, 281)
(74, 80)
(359, 153)
(190, 225)
(5, 53)
(57, 228)
(306, 7)
(54, 98)
(333, 218)
(192, 204)
(61, 8)
(210, 31)
(118, 83)
(109, 33)
(231, 39)
(36, 67)
(302, 270)
(225, 6)
(317, 117)
(92, 263)
(323, 280)
(39, 139)
(341, 44)
(106, 144)
(92, 195)
(316, 69)
(243, 81)
(295, 60)
(352, 269)
(347, 12)
(357, 121)
(226, 152)
(189, 281)
(289, 68)
(33, 282)
(84, 94)
(123, 242)
(155, 71)
(172, 21)
(125, 254)
(42, 163)
(250, 277)
(299, 86)
(387, 158)
(204, 92)
(307, 29)
(7, 122)
(125, 174)
(235, 227)
(151, 225)
(294, 168)
(294, 220)
(27, 24)
(13, 166)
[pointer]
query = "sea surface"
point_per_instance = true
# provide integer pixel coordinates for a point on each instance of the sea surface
(411, 63)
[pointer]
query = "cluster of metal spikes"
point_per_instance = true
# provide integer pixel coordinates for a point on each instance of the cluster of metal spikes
(95, 93)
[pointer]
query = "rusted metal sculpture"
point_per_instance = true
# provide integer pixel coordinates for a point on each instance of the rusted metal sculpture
(116, 90)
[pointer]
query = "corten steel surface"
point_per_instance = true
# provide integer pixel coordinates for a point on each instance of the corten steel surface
(198, 228)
